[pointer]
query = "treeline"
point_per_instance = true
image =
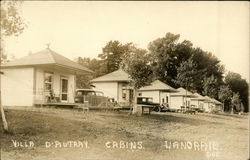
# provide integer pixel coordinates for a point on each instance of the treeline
(175, 63)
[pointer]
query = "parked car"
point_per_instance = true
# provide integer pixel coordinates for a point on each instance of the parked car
(149, 102)
(82, 94)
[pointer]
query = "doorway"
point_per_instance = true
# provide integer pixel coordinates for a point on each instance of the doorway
(64, 89)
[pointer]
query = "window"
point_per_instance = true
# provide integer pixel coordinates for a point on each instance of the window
(139, 94)
(64, 89)
(124, 93)
(166, 99)
(48, 81)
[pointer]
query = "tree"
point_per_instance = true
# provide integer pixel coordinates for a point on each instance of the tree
(110, 60)
(11, 24)
(186, 74)
(167, 54)
(238, 85)
(236, 101)
(225, 94)
(112, 55)
(210, 86)
(136, 64)
(83, 81)
(207, 65)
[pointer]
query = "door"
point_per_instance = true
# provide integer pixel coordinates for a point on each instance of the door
(64, 89)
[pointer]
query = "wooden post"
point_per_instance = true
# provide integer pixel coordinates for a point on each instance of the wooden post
(5, 124)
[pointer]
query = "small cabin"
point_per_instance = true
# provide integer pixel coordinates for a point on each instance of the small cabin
(116, 86)
(181, 99)
(38, 78)
(158, 91)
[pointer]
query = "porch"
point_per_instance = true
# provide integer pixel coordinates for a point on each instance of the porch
(89, 101)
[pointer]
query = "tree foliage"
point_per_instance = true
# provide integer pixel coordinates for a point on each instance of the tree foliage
(11, 22)
(238, 85)
(93, 64)
(210, 86)
(172, 61)
(112, 55)
(225, 94)
(83, 81)
(137, 66)
(168, 54)
(108, 61)
(207, 66)
(236, 101)
(186, 74)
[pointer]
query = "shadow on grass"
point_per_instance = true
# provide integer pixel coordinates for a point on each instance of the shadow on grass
(190, 120)
(162, 118)
(233, 115)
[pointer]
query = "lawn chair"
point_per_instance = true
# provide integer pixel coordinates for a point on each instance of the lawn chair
(52, 98)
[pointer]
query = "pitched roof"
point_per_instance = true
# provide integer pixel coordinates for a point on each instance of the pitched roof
(183, 92)
(157, 85)
(116, 76)
(198, 97)
(208, 99)
(216, 101)
(45, 57)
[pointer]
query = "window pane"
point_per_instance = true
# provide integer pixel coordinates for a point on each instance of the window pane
(64, 97)
(64, 85)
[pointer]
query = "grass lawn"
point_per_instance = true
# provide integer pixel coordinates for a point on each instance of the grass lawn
(118, 136)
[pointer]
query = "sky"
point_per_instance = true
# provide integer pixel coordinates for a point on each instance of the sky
(82, 28)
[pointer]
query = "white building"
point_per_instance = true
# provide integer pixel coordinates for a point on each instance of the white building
(115, 85)
(217, 105)
(181, 99)
(31, 80)
(198, 101)
(208, 104)
(159, 91)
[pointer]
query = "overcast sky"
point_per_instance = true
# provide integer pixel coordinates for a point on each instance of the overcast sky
(83, 28)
